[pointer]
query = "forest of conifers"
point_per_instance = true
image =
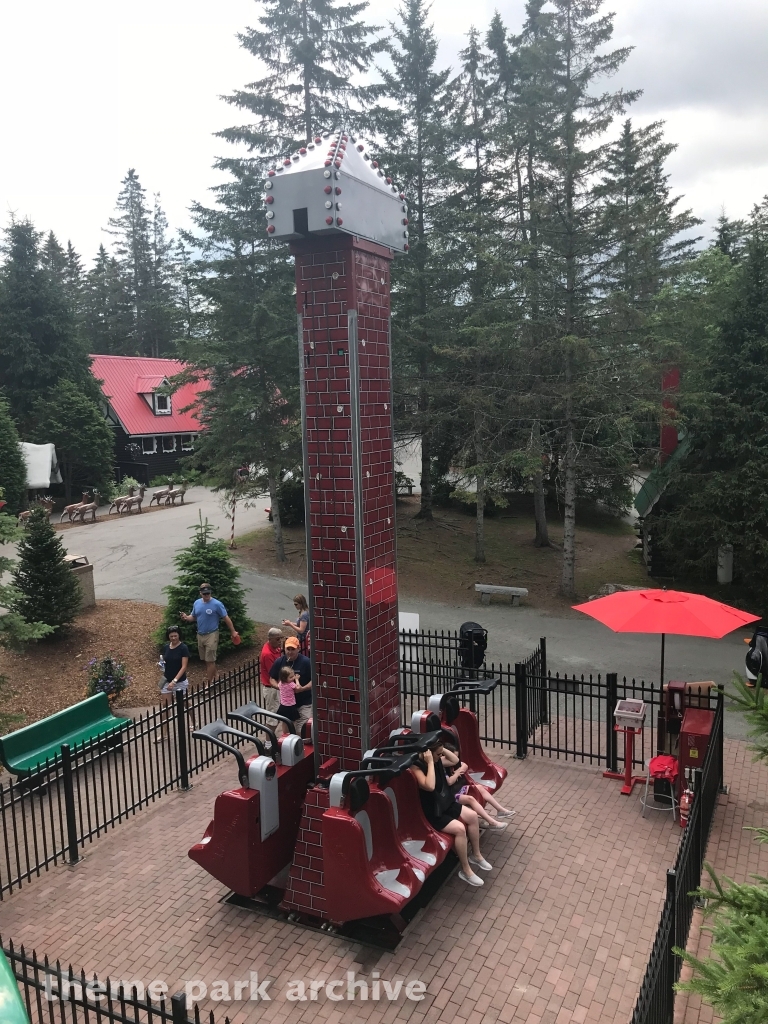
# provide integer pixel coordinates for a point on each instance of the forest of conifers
(552, 279)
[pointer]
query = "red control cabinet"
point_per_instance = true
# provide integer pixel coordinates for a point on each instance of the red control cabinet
(695, 733)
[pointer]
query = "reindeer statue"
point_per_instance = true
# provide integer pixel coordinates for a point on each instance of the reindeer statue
(70, 509)
(117, 502)
(135, 499)
(177, 492)
(46, 503)
(163, 493)
(81, 510)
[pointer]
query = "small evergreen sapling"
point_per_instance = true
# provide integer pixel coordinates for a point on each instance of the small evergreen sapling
(48, 590)
(14, 631)
(206, 561)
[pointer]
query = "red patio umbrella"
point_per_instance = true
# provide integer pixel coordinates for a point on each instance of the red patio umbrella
(665, 611)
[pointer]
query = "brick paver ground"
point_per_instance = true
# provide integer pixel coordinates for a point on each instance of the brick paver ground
(561, 931)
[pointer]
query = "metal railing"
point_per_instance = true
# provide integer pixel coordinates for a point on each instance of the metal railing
(655, 1003)
(86, 790)
(55, 995)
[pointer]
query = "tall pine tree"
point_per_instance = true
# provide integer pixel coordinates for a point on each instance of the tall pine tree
(39, 342)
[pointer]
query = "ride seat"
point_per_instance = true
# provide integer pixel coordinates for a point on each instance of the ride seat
(464, 725)
(366, 870)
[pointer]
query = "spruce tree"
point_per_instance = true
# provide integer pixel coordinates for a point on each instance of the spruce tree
(205, 560)
(39, 343)
(15, 631)
(71, 419)
(314, 52)
(107, 308)
(245, 344)
(13, 468)
(719, 495)
(420, 150)
(48, 590)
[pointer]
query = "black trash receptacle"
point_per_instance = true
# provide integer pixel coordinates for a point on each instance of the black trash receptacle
(473, 641)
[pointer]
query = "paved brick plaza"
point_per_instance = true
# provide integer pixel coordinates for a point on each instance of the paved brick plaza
(561, 932)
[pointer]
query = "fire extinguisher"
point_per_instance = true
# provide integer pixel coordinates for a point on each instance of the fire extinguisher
(686, 799)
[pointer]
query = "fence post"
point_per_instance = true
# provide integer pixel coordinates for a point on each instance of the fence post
(672, 901)
(698, 789)
(612, 684)
(179, 1008)
(544, 682)
(181, 739)
(521, 710)
(721, 786)
(69, 803)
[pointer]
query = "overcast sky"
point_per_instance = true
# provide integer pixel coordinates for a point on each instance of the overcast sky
(90, 88)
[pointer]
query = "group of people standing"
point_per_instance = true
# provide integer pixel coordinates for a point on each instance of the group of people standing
(285, 670)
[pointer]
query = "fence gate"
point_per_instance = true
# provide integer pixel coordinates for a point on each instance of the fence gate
(531, 696)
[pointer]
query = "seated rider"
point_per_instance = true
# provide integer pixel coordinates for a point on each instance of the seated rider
(456, 772)
(445, 814)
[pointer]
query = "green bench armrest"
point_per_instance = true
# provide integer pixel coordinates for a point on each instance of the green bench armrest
(22, 750)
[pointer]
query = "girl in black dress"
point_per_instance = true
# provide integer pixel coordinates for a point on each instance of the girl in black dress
(445, 814)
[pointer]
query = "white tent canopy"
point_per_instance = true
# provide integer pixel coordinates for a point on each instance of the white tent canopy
(42, 465)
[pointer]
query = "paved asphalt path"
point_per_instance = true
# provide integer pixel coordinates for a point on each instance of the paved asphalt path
(132, 558)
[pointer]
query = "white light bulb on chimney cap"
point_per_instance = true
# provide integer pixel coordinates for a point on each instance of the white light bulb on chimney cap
(326, 174)
(270, 214)
(267, 184)
(328, 205)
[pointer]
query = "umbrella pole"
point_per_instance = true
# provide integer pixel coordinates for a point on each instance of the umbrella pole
(661, 680)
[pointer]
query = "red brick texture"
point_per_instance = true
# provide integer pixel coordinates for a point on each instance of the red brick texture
(350, 609)
(304, 891)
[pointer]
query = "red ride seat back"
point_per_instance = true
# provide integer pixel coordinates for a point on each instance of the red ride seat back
(365, 870)
(232, 849)
(417, 837)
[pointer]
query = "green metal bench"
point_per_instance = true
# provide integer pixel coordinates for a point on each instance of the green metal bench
(27, 749)
(11, 1005)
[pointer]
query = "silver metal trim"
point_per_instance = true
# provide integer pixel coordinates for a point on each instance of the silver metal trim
(308, 533)
(357, 492)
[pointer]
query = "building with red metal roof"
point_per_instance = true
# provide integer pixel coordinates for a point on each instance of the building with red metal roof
(151, 430)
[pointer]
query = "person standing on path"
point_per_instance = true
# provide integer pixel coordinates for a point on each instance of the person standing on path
(302, 666)
(208, 613)
(301, 625)
(270, 652)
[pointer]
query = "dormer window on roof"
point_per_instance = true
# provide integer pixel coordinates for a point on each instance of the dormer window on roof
(147, 387)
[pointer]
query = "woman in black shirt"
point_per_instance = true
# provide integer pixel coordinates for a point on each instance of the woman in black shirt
(446, 815)
(175, 660)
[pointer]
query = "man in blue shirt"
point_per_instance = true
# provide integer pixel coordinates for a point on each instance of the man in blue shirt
(207, 612)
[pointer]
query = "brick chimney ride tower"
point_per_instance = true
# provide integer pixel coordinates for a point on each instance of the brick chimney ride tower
(345, 221)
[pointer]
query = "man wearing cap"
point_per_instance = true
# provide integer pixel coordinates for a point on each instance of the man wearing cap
(207, 612)
(302, 666)
(270, 652)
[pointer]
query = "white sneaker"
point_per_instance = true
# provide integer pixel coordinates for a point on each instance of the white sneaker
(480, 862)
(498, 826)
(507, 814)
(472, 879)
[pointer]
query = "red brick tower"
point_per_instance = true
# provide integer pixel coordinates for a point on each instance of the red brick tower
(346, 220)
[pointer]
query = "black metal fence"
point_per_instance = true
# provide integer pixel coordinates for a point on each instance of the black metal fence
(76, 796)
(56, 995)
(655, 1004)
(532, 711)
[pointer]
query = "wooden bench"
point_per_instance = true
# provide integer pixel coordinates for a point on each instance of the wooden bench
(26, 749)
(486, 590)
